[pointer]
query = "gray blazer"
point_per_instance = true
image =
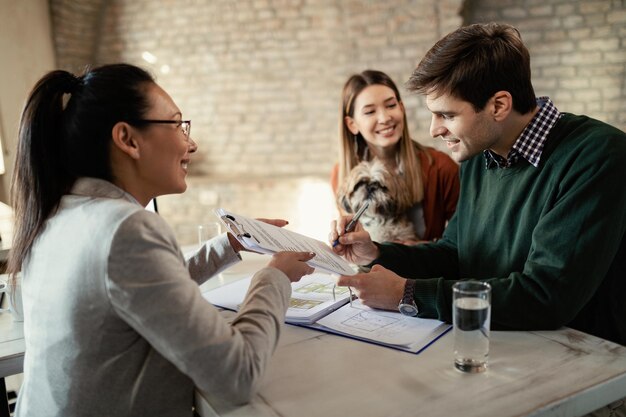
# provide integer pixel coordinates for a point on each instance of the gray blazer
(115, 324)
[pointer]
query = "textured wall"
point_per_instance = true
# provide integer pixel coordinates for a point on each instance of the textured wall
(76, 31)
(578, 50)
(261, 79)
(27, 54)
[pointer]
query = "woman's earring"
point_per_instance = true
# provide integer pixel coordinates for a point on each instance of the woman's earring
(356, 146)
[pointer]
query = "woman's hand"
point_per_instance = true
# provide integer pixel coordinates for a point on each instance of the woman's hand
(357, 246)
(293, 264)
(379, 288)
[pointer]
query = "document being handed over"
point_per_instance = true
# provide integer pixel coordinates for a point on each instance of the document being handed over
(259, 236)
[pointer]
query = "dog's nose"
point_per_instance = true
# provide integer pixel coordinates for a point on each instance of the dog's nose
(371, 187)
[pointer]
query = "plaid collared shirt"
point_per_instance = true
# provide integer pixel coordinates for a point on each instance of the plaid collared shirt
(530, 143)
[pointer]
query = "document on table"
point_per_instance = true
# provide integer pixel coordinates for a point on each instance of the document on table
(389, 328)
(261, 237)
(312, 305)
(311, 297)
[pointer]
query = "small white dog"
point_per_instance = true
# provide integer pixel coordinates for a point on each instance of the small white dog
(386, 218)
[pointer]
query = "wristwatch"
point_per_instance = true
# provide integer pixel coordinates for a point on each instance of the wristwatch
(407, 305)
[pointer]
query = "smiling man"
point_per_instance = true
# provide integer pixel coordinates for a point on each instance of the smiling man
(542, 210)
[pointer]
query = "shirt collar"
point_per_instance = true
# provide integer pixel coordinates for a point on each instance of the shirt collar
(529, 145)
(95, 187)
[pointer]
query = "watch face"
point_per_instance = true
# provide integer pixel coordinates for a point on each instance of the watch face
(408, 309)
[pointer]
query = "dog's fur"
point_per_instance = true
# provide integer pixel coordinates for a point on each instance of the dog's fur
(386, 218)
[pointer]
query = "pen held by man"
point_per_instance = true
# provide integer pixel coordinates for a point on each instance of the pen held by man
(357, 246)
(352, 223)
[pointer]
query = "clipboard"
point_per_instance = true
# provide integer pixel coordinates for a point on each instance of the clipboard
(258, 236)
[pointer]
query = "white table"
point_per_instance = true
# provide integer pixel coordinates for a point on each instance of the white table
(11, 345)
(11, 354)
(557, 373)
(540, 373)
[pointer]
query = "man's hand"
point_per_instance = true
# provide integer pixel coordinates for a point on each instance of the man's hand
(357, 246)
(379, 288)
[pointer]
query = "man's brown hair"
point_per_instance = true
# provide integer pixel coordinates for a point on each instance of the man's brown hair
(473, 63)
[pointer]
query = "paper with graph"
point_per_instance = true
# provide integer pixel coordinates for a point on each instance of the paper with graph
(385, 327)
(312, 304)
(311, 297)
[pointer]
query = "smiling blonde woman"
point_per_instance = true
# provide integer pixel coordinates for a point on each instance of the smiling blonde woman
(373, 126)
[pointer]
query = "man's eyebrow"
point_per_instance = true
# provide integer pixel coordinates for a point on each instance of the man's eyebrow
(438, 112)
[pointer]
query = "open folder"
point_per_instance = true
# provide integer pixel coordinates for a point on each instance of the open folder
(312, 298)
(261, 237)
(314, 305)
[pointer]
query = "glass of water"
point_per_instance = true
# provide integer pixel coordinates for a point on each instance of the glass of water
(471, 314)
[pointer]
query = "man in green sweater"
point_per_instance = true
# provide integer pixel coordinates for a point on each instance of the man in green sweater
(542, 211)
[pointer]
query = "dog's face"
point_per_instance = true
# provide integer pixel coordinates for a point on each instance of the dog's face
(386, 217)
(370, 180)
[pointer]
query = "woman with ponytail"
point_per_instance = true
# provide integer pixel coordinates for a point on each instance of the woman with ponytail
(114, 321)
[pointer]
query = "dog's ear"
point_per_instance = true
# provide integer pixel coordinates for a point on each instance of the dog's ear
(345, 203)
(388, 208)
(398, 191)
(343, 198)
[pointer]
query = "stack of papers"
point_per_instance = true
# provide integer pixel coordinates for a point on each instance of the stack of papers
(313, 305)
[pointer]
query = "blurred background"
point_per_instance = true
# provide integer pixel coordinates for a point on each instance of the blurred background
(261, 79)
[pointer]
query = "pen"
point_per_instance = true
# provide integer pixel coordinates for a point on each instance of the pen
(352, 224)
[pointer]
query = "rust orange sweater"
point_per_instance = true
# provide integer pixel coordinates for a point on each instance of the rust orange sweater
(441, 190)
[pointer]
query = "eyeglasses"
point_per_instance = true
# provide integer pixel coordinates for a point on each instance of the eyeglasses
(185, 125)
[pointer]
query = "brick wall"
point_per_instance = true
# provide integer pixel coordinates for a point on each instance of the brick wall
(261, 79)
(76, 29)
(578, 50)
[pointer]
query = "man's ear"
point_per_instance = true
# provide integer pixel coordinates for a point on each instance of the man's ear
(351, 124)
(124, 139)
(502, 105)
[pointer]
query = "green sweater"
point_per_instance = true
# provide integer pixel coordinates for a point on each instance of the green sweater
(549, 240)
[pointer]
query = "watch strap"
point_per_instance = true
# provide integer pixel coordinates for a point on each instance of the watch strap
(409, 292)
(407, 305)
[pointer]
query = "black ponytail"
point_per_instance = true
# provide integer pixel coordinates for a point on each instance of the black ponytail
(64, 134)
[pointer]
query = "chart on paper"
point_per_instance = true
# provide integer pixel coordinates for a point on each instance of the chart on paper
(386, 327)
(311, 298)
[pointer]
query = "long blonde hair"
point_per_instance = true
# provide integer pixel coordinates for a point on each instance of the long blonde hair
(353, 148)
